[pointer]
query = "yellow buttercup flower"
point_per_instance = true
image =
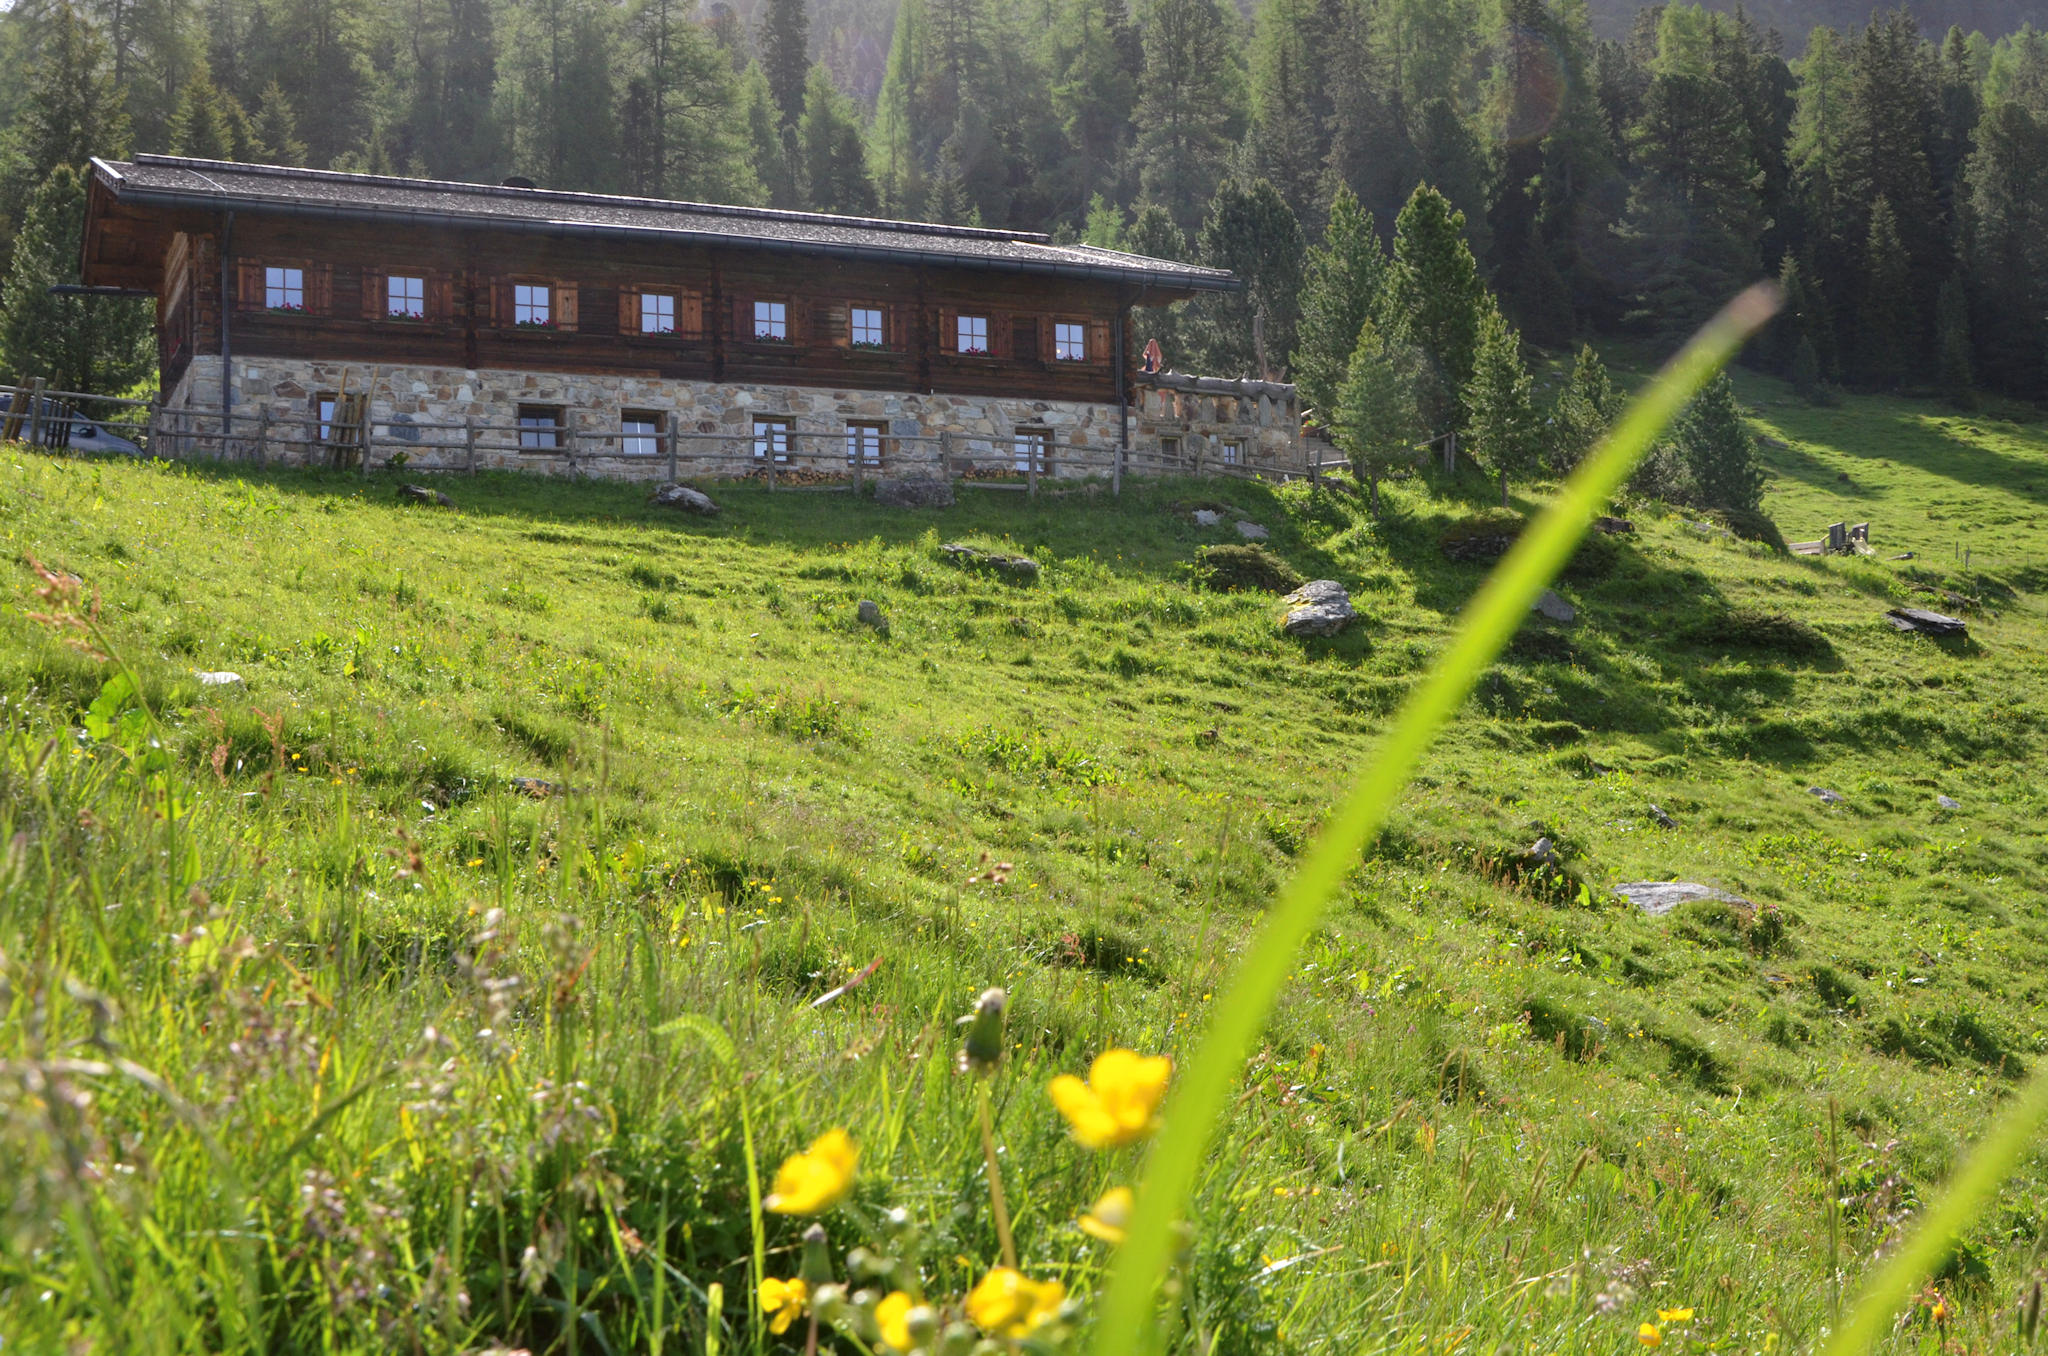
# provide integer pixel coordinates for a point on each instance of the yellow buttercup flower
(892, 1315)
(1674, 1315)
(1119, 1104)
(783, 1301)
(817, 1179)
(1650, 1335)
(1109, 1217)
(1009, 1304)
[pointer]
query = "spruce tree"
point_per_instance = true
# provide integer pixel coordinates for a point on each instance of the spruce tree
(1153, 234)
(1806, 370)
(1506, 431)
(1376, 419)
(1885, 324)
(834, 158)
(273, 132)
(1251, 232)
(98, 344)
(208, 121)
(1952, 339)
(1342, 283)
(1718, 450)
(1586, 408)
(75, 113)
(1189, 105)
(785, 55)
(1435, 301)
(2008, 181)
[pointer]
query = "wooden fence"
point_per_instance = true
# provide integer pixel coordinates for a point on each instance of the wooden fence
(353, 439)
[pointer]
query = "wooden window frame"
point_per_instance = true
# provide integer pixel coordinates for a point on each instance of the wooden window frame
(252, 291)
(687, 304)
(527, 417)
(1079, 328)
(642, 296)
(786, 321)
(325, 403)
(768, 426)
(1169, 446)
(961, 320)
(1024, 442)
(1233, 451)
(289, 273)
(548, 322)
(881, 314)
(425, 302)
(881, 449)
(658, 419)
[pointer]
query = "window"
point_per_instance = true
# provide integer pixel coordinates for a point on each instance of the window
(1169, 449)
(865, 325)
(1233, 451)
(284, 289)
(540, 427)
(1034, 450)
(323, 407)
(533, 304)
(642, 430)
(970, 335)
(657, 313)
(864, 443)
(771, 321)
(405, 298)
(1070, 343)
(771, 439)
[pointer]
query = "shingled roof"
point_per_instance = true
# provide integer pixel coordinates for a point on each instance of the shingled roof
(179, 182)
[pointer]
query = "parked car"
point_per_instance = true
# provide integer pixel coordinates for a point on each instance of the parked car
(64, 427)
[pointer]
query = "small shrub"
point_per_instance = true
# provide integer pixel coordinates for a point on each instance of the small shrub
(1245, 569)
(1750, 628)
(1750, 525)
(1482, 536)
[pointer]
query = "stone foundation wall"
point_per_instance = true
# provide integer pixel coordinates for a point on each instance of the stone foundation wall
(420, 412)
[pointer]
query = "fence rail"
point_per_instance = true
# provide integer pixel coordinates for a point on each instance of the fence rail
(789, 458)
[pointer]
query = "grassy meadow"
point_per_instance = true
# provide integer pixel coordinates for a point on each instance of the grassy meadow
(321, 1034)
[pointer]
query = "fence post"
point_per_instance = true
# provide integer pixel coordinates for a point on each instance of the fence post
(857, 448)
(668, 434)
(1031, 448)
(366, 435)
(35, 412)
(149, 425)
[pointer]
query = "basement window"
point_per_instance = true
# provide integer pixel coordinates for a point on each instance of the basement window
(540, 428)
(1070, 343)
(641, 430)
(1034, 450)
(1233, 451)
(405, 298)
(771, 439)
(970, 335)
(284, 289)
(864, 443)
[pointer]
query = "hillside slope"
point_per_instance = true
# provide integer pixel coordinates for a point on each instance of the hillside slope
(445, 1063)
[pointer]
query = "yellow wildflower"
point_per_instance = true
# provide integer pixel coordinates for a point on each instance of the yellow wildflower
(817, 1179)
(784, 1300)
(892, 1315)
(1109, 1217)
(1009, 1304)
(1674, 1315)
(1119, 1104)
(1650, 1335)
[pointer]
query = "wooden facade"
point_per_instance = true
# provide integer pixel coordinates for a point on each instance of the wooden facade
(1048, 330)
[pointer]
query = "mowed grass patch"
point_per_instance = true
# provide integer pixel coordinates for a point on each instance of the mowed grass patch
(409, 1019)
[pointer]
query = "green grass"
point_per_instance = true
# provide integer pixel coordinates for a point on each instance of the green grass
(1488, 1100)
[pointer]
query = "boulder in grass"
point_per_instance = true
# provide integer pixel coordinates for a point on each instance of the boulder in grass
(684, 498)
(1321, 607)
(422, 494)
(1017, 569)
(915, 492)
(1554, 607)
(1825, 796)
(1659, 897)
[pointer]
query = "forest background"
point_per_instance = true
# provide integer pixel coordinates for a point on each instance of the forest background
(1618, 173)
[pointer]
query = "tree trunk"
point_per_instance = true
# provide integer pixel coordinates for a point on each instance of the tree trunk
(1503, 489)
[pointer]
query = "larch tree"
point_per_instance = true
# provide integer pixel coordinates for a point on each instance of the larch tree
(1585, 410)
(1885, 318)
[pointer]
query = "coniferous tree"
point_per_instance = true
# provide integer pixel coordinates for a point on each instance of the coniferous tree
(1286, 144)
(767, 147)
(1506, 431)
(834, 158)
(1188, 105)
(1154, 234)
(1375, 415)
(1806, 381)
(1342, 283)
(1718, 450)
(1885, 317)
(1251, 232)
(274, 131)
(1092, 63)
(1435, 301)
(208, 122)
(76, 114)
(785, 55)
(1952, 339)
(1585, 409)
(75, 343)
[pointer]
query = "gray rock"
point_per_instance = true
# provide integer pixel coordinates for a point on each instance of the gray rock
(915, 492)
(684, 498)
(1544, 851)
(1825, 796)
(1925, 622)
(1554, 607)
(1614, 527)
(1659, 897)
(870, 614)
(1945, 802)
(1251, 531)
(420, 494)
(1321, 607)
(220, 679)
(1207, 517)
(1021, 569)
(1666, 821)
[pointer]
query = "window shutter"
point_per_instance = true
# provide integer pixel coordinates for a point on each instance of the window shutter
(742, 318)
(1024, 338)
(690, 314)
(834, 326)
(374, 294)
(320, 289)
(949, 330)
(565, 305)
(1098, 341)
(501, 302)
(629, 310)
(249, 285)
(440, 298)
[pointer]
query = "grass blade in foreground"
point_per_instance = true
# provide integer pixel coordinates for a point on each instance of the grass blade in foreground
(1125, 1318)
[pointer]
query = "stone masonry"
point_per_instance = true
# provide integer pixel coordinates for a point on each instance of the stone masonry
(421, 411)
